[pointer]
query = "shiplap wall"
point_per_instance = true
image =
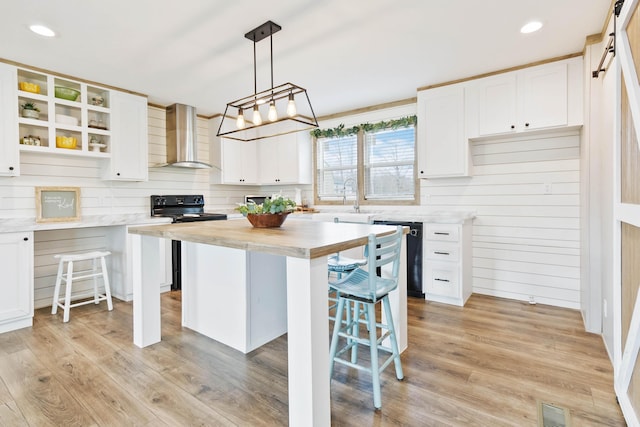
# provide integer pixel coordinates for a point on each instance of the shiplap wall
(104, 197)
(526, 236)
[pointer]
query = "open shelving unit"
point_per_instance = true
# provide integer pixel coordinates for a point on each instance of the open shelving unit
(90, 112)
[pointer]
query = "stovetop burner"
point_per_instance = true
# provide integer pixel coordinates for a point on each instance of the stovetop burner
(187, 208)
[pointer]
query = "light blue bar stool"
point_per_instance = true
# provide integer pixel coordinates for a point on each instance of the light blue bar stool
(366, 288)
(339, 265)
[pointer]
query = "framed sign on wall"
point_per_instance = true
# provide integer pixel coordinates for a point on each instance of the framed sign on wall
(57, 204)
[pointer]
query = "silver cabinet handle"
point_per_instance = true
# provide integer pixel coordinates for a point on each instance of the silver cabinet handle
(441, 280)
(441, 253)
(441, 233)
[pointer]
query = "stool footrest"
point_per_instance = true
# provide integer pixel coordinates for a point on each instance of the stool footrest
(101, 297)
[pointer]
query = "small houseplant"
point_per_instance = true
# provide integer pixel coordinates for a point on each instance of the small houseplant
(30, 110)
(271, 213)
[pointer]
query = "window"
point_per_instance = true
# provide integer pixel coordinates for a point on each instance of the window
(389, 157)
(337, 166)
(382, 155)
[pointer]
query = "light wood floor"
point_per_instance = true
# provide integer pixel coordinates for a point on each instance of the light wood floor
(487, 365)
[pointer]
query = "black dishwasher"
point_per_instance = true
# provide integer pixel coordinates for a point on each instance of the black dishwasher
(414, 256)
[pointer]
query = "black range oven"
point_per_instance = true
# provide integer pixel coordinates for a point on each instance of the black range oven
(181, 208)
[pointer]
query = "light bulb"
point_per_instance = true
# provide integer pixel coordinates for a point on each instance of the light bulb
(257, 118)
(291, 106)
(240, 123)
(273, 114)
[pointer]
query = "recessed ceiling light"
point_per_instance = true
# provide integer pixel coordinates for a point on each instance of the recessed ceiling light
(531, 27)
(42, 30)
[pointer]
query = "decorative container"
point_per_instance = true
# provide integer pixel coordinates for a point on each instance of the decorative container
(267, 220)
(66, 93)
(66, 142)
(29, 87)
(30, 114)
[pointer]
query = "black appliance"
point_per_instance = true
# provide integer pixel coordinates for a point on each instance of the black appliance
(258, 200)
(185, 208)
(414, 256)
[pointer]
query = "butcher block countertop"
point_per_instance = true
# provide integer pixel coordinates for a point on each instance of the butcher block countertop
(299, 239)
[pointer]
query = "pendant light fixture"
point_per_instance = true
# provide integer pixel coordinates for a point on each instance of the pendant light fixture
(287, 106)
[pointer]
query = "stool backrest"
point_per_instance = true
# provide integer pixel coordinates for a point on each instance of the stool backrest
(382, 251)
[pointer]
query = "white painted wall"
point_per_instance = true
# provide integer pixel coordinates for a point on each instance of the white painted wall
(597, 157)
(526, 240)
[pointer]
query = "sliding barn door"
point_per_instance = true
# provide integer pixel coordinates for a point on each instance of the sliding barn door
(627, 215)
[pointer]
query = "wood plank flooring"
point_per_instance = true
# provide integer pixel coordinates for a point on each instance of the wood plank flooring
(487, 364)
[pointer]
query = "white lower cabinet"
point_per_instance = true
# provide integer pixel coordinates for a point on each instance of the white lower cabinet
(123, 264)
(16, 259)
(447, 264)
(229, 300)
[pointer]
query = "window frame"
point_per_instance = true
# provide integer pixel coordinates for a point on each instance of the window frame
(360, 173)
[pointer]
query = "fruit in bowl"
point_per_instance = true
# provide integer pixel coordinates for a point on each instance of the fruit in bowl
(66, 93)
(66, 142)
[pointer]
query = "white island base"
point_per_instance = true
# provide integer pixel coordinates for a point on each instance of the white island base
(236, 297)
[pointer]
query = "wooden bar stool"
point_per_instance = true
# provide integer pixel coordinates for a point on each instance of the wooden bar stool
(95, 272)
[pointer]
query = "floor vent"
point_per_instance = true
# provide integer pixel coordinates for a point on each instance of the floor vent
(552, 416)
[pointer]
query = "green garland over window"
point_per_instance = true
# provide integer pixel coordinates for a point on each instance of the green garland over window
(341, 131)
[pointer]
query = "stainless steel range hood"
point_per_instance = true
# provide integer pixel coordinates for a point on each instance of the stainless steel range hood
(182, 137)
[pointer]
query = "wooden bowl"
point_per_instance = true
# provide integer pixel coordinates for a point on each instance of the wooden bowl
(267, 220)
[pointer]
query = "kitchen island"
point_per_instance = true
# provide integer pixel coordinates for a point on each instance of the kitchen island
(305, 245)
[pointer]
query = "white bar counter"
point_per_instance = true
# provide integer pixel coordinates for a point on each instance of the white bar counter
(305, 245)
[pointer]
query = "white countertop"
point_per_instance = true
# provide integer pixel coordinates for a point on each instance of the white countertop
(8, 225)
(405, 215)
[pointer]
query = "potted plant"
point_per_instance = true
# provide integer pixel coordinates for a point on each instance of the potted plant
(271, 213)
(30, 110)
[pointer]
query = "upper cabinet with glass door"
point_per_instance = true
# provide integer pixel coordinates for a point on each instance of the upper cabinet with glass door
(63, 116)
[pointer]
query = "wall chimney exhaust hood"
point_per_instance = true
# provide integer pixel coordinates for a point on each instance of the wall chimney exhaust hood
(182, 137)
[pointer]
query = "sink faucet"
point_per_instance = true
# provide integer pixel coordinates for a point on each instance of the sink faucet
(356, 205)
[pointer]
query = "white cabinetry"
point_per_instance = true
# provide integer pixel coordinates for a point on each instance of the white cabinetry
(541, 97)
(86, 119)
(447, 265)
(230, 300)
(285, 159)
(442, 144)
(16, 260)
(239, 162)
(129, 159)
(9, 153)
(99, 122)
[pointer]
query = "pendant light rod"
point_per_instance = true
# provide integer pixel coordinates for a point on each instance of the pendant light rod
(297, 118)
(271, 42)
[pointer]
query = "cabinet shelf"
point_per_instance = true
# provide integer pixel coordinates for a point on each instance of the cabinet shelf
(90, 111)
(64, 151)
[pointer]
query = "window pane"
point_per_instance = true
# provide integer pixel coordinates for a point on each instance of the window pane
(389, 164)
(390, 182)
(337, 162)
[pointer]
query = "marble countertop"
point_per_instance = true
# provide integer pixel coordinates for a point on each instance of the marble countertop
(405, 215)
(8, 225)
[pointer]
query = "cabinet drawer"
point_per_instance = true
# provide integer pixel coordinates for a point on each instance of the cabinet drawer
(443, 279)
(440, 251)
(444, 233)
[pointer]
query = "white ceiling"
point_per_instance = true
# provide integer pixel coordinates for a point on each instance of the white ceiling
(347, 53)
